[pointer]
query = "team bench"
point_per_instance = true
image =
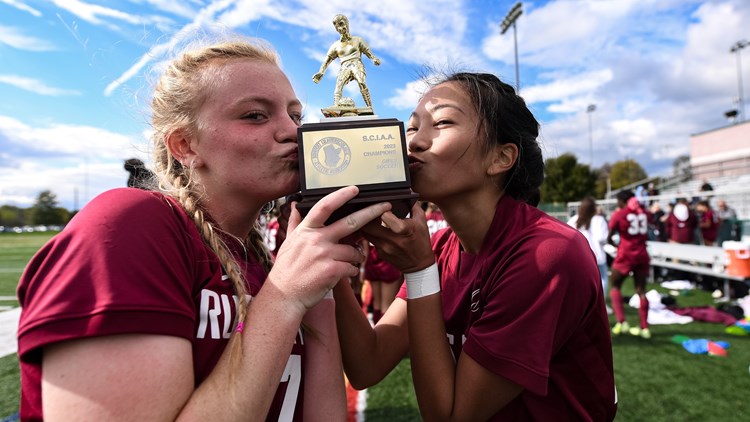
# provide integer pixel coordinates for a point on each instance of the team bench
(697, 259)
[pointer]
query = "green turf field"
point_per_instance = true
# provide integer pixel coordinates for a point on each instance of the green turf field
(657, 380)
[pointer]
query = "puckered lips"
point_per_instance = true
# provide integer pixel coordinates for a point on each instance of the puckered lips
(415, 163)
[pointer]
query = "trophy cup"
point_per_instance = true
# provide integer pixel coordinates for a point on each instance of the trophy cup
(352, 146)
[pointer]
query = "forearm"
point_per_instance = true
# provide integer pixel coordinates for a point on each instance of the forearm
(325, 392)
(242, 387)
(363, 362)
(432, 364)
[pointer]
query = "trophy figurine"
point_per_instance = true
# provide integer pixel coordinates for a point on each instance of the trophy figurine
(349, 50)
(352, 146)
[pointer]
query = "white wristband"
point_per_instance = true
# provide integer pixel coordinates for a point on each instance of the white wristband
(422, 283)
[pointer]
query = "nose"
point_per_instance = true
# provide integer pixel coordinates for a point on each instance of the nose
(419, 140)
(287, 130)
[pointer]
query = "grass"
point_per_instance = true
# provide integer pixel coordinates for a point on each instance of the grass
(656, 379)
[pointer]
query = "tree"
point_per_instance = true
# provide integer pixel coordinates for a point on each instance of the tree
(45, 210)
(12, 216)
(626, 172)
(566, 180)
(681, 168)
(602, 179)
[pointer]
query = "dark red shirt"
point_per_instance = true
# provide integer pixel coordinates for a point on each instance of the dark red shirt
(132, 261)
(529, 307)
(632, 227)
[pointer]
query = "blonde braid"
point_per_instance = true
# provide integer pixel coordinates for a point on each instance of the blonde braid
(178, 95)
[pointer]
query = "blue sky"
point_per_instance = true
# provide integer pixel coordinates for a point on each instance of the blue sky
(76, 75)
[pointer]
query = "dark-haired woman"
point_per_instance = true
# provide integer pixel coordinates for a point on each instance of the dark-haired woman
(503, 313)
(593, 226)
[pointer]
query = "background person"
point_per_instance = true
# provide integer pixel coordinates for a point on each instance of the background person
(139, 309)
(594, 228)
(504, 270)
(630, 221)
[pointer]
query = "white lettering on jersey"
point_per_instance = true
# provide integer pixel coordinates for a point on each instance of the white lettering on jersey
(209, 311)
(475, 300)
(212, 307)
(293, 376)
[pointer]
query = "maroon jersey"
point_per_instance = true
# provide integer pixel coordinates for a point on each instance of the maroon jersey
(377, 269)
(681, 230)
(132, 261)
(530, 308)
(710, 219)
(632, 227)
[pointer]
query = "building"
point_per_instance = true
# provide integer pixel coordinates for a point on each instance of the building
(721, 152)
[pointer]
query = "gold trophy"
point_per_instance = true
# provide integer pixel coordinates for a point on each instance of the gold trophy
(352, 146)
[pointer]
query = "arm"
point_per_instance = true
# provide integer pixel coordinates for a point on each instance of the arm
(325, 393)
(445, 390)
(112, 377)
(365, 49)
(368, 353)
(329, 58)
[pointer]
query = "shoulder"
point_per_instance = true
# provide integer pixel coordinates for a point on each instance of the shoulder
(135, 210)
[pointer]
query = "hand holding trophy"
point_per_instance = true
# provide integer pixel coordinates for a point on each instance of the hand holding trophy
(352, 146)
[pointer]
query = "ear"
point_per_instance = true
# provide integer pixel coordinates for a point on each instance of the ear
(181, 148)
(502, 158)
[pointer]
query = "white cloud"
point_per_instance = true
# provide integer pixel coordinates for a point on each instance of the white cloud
(35, 86)
(12, 37)
(22, 6)
(406, 98)
(64, 158)
(565, 87)
(101, 15)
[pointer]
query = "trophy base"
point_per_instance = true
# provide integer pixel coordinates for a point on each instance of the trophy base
(402, 200)
(339, 111)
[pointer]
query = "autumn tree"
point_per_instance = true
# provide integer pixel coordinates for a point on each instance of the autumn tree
(626, 172)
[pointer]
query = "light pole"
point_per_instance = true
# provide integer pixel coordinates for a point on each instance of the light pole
(590, 109)
(510, 20)
(739, 45)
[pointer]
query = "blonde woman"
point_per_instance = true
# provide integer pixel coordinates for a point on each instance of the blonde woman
(164, 305)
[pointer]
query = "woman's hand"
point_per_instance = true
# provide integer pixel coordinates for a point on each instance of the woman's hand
(405, 243)
(311, 260)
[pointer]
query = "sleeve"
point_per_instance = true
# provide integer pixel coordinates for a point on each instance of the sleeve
(534, 302)
(603, 230)
(123, 265)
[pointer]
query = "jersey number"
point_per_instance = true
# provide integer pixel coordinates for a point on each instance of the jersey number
(638, 224)
(293, 376)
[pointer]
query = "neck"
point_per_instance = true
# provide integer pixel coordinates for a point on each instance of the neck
(470, 218)
(236, 223)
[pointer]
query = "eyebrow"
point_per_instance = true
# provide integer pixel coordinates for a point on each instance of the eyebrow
(438, 107)
(265, 101)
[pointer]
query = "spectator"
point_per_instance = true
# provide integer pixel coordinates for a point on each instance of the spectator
(709, 223)
(727, 222)
(140, 177)
(594, 228)
(681, 223)
(656, 225)
(385, 281)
